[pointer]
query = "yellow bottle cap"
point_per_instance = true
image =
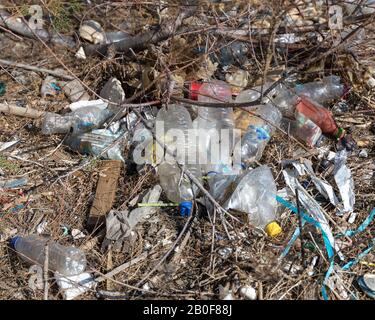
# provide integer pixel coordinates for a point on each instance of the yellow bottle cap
(273, 229)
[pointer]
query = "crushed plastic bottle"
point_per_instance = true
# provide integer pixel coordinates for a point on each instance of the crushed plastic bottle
(82, 120)
(253, 192)
(176, 186)
(96, 142)
(68, 261)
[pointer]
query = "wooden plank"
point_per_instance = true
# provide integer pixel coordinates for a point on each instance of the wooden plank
(105, 192)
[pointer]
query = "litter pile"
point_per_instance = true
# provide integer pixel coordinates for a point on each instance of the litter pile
(187, 149)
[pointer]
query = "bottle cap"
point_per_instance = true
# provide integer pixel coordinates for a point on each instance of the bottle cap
(340, 133)
(193, 89)
(13, 241)
(273, 229)
(185, 208)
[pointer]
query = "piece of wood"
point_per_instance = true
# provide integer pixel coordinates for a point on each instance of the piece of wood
(105, 192)
(19, 111)
(55, 73)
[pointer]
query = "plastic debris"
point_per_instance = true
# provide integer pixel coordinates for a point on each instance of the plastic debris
(344, 181)
(248, 293)
(2, 88)
(13, 183)
(100, 104)
(66, 260)
(120, 224)
(177, 117)
(257, 186)
(49, 87)
(82, 120)
(185, 121)
(367, 284)
(73, 286)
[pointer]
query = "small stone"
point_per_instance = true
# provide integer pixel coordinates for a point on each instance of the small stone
(248, 292)
(81, 53)
(225, 252)
(75, 91)
(363, 153)
(229, 296)
(113, 92)
(77, 234)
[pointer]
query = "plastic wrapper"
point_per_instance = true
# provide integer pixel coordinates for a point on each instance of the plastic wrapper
(344, 181)
(312, 207)
(120, 224)
(253, 192)
(73, 286)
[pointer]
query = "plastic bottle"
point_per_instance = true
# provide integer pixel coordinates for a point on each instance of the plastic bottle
(321, 116)
(259, 133)
(68, 261)
(213, 120)
(214, 92)
(177, 187)
(82, 120)
(243, 118)
(252, 192)
(323, 91)
(320, 91)
(96, 142)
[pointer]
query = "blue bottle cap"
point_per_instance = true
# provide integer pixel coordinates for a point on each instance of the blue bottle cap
(13, 241)
(185, 208)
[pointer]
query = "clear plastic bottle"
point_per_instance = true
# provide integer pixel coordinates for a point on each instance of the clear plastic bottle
(68, 261)
(259, 133)
(253, 192)
(177, 187)
(213, 120)
(322, 92)
(242, 118)
(82, 120)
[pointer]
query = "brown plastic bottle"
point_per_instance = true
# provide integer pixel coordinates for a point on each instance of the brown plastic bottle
(320, 116)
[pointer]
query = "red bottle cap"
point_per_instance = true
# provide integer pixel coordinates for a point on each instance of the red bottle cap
(193, 88)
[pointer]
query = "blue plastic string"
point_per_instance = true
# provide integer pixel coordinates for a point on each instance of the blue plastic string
(327, 243)
(362, 227)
